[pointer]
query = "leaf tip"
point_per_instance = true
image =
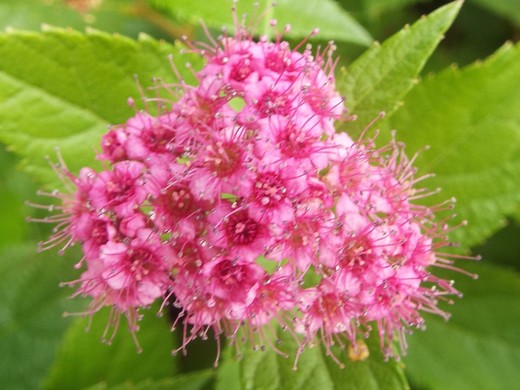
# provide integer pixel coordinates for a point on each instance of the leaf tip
(455, 5)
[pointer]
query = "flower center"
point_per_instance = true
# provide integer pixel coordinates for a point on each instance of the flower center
(269, 190)
(274, 103)
(141, 261)
(223, 158)
(293, 143)
(178, 200)
(120, 189)
(357, 254)
(230, 274)
(277, 60)
(158, 137)
(240, 229)
(241, 70)
(317, 98)
(301, 235)
(328, 305)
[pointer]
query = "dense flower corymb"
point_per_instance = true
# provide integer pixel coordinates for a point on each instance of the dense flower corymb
(240, 205)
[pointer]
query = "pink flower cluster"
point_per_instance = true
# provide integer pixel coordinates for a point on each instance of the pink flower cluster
(240, 205)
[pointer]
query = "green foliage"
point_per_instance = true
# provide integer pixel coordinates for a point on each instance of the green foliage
(113, 16)
(31, 323)
(193, 381)
(84, 361)
(302, 15)
(380, 6)
(228, 374)
(384, 74)
(504, 247)
(481, 340)
(61, 89)
(471, 120)
(270, 371)
(507, 8)
(29, 15)
(13, 228)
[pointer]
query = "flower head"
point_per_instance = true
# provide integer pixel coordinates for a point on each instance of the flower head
(240, 205)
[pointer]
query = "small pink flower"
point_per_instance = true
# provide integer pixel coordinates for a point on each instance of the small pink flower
(305, 240)
(327, 311)
(234, 229)
(269, 196)
(138, 270)
(275, 294)
(234, 282)
(221, 164)
(295, 143)
(120, 189)
(148, 135)
(94, 231)
(113, 144)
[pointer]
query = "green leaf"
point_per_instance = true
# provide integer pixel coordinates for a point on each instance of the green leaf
(516, 215)
(377, 8)
(30, 14)
(503, 248)
(84, 360)
(302, 15)
(228, 373)
(114, 16)
(31, 322)
(13, 224)
(62, 89)
(270, 371)
(471, 120)
(509, 9)
(479, 347)
(197, 380)
(12, 183)
(379, 79)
